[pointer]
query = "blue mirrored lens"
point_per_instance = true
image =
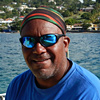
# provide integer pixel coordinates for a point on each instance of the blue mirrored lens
(28, 42)
(45, 40)
(48, 40)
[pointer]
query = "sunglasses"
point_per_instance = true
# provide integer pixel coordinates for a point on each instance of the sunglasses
(45, 40)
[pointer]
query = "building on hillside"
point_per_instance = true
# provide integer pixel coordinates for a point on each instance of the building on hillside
(21, 17)
(93, 27)
(51, 1)
(79, 28)
(2, 12)
(22, 7)
(87, 9)
(69, 27)
(8, 8)
(14, 3)
(76, 27)
(7, 21)
(60, 7)
(31, 8)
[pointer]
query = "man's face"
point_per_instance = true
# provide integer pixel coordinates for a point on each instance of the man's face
(44, 62)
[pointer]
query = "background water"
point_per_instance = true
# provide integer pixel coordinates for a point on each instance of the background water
(84, 49)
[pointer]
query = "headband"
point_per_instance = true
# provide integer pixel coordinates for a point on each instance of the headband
(47, 14)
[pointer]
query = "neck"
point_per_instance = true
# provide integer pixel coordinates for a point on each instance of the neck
(47, 83)
(44, 84)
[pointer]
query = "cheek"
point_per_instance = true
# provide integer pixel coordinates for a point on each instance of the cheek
(26, 53)
(58, 52)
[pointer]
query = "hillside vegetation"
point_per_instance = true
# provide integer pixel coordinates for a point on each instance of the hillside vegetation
(72, 10)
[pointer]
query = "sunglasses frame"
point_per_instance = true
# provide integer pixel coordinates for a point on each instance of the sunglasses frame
(37, 39)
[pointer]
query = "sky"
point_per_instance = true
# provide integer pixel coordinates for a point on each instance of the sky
(82, 0)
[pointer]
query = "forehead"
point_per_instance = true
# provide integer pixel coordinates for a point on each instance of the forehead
(38, 27)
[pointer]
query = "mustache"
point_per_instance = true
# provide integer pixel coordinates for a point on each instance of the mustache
(40, 56)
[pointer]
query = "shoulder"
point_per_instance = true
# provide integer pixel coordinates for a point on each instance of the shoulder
(17, 83)
(86, 81)
(22, 77)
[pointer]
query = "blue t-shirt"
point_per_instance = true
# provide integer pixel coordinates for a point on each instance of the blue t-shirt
(77, 84)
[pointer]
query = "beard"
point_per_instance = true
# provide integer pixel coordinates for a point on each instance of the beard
(45, 74)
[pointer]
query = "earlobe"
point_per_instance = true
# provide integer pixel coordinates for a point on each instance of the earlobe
(66, 42)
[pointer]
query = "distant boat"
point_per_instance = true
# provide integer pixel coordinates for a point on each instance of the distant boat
(6, 30)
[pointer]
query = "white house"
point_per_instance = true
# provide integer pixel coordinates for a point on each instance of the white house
(15, 3)
(51, 1)
(7, 21)
(2, 12)
(22, 7)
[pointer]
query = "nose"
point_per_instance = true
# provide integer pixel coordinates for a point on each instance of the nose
(39, 49)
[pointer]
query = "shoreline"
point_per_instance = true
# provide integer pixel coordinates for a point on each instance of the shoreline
(75, 31)
(83, 31)
(9, 32)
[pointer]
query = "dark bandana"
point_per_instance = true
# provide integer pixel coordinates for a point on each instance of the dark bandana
(47, 14)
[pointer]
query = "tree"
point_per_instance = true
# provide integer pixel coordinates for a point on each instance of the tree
(66, 13)
(16, 25)
(98, 1)
(87, 2)
(86, 25)
(86, 15)
(15, 12)
(97, 6)
(70, 21)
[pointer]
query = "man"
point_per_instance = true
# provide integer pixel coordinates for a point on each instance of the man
(51, 76)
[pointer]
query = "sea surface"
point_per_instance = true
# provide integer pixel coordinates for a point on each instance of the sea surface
(84, 49)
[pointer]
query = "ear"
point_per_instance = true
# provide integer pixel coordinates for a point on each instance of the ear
(66, 43)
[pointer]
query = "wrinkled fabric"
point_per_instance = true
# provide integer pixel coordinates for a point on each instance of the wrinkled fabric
(77, 84)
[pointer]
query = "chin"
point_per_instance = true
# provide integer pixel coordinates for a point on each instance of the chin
(43, 74)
